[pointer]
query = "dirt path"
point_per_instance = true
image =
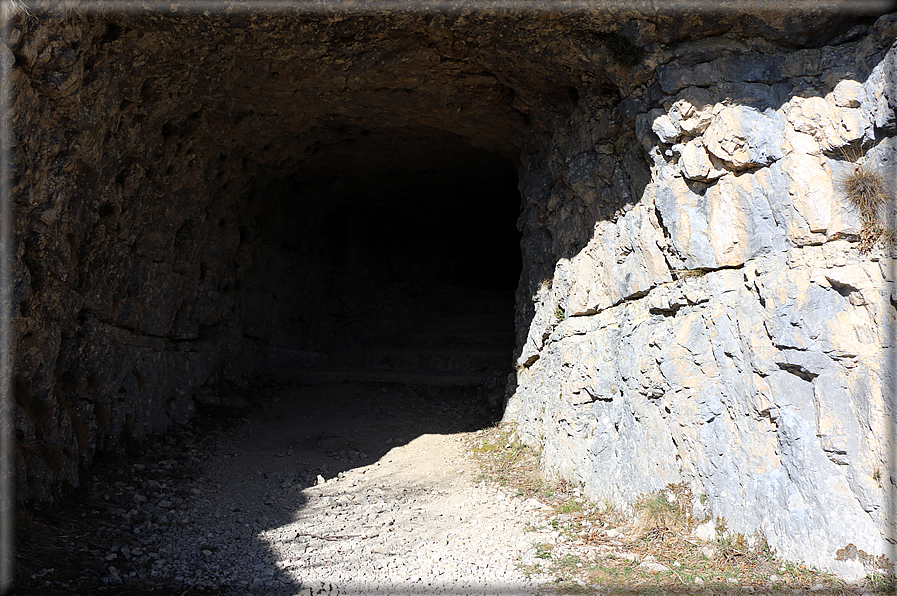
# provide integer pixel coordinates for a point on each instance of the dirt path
(395, 506)
(341, 489)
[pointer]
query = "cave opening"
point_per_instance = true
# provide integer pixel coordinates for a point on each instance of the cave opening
(388, 260)
(275, 203)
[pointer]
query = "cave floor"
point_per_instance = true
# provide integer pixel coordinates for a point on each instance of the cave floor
(357, 487)
(363, 488)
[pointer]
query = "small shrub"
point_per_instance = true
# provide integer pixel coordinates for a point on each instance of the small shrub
(866, 189)
(559, 314)
(657, 517)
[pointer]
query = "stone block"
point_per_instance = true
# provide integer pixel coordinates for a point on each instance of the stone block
(742, 136)
(697, 164)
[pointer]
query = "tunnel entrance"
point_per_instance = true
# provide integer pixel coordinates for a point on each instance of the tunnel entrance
(282, 204)
(389, 268)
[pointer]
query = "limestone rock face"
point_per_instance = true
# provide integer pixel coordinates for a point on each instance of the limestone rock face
(693, 305)
(740, 345)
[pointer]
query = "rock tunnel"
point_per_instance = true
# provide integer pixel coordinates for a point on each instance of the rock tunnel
(200, 197)
(289, 188)
(255, 198)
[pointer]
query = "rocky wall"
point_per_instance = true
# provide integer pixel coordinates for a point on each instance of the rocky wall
(711, 319)
(127, 248)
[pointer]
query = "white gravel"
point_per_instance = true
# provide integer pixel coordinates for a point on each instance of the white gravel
(264, 510)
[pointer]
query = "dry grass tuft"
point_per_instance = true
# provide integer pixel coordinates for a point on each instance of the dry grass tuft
(659, 518)
(866, 188)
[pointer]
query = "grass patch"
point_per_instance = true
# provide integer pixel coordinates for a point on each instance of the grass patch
(658, 517)
(504, 460)
(570, 506)
(600, 549)
(543, 551)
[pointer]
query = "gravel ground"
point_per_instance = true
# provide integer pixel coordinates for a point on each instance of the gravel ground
(364, 489)
(350, 489)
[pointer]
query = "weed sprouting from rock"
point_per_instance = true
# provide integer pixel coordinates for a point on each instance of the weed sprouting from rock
(865, 187)
(624, 52)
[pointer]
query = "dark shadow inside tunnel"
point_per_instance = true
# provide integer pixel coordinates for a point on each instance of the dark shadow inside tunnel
(379, 296)
(382, 301)
(371, 271)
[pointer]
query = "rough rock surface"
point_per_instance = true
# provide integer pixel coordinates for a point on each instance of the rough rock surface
(722, 329)
(693, 306)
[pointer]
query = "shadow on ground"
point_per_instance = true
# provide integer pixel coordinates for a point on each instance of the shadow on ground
(185, 515)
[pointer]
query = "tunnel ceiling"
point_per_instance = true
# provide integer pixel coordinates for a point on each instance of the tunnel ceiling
(277, 88)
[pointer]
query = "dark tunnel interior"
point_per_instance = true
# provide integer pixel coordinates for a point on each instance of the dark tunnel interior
(357, 253)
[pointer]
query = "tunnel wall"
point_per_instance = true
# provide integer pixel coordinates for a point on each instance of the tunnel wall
(725, 329)
(127, 249)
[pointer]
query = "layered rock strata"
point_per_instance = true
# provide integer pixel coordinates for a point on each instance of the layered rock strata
(723, 328)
